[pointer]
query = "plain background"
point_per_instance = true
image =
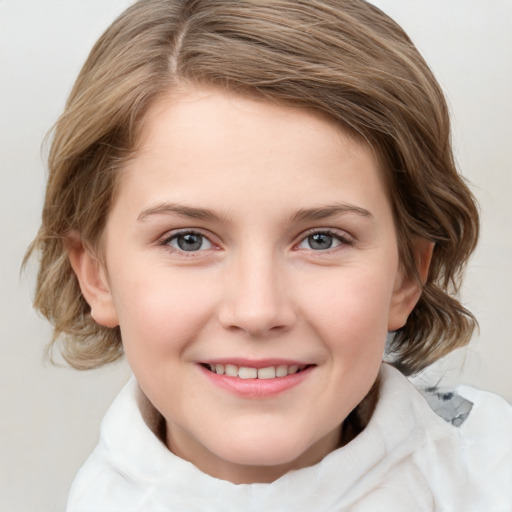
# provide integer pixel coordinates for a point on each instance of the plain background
(50, 416)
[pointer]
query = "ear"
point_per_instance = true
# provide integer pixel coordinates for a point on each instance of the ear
(93, 281)
(408, 289)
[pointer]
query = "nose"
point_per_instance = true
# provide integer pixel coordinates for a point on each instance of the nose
(256, 298)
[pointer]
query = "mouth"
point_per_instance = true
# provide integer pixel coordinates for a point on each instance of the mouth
(249, 372)
(261, 379)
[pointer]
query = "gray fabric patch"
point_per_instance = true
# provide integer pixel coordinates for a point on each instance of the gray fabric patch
(448, 405)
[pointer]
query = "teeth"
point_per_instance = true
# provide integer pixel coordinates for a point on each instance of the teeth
(293, 369)
(231, 370)
(267, 373)
(282, 370)
(246, 372)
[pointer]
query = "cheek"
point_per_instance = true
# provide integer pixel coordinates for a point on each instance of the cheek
(160, 316)
(350, 309)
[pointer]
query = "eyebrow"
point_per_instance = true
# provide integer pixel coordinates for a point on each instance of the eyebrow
(304, 214)
(181, 210)
(327, 211)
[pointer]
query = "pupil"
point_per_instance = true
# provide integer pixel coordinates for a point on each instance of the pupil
(190, 242)
(320, 241)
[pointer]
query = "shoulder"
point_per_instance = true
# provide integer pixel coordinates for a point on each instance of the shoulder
(109, 479)
(464, 451)
(93, 484)
(487, 436)
(481, 424)
(488, 408)
(131, 469)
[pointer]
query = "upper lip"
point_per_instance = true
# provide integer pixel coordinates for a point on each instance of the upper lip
(254, 363)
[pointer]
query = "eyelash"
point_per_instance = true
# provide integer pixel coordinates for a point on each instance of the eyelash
(343, 239)
(166, 241)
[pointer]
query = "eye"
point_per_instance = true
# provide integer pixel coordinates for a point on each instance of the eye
(188, 241)
(323, 241)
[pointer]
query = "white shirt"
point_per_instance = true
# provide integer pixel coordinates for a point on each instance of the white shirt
(407, 459)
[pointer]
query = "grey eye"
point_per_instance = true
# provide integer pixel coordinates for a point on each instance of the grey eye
(321, 241)
(190, 242)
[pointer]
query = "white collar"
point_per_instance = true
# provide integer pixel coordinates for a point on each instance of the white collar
(400, 425)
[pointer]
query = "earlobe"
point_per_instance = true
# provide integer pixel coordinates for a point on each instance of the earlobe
(408, 288)
(93, 281)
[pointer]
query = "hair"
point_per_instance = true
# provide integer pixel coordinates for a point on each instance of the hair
(344, 58)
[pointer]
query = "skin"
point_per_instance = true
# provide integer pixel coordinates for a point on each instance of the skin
(255, 288)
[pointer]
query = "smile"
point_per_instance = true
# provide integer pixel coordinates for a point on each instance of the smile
(256, 380)
(247, 372)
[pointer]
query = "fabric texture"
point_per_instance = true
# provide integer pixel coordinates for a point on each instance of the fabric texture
(408, 458)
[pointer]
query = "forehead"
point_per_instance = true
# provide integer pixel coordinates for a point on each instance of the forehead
(188, 109)
(217, 144)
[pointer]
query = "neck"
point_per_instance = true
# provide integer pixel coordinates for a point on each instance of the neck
(237, 473)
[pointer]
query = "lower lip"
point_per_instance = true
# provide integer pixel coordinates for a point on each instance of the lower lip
(257, 388)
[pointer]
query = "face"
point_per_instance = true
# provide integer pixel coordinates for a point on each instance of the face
(251, 262)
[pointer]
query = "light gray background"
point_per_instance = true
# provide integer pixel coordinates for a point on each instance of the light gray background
(50, 416)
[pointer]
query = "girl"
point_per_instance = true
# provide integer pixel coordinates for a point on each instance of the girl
(244, 199)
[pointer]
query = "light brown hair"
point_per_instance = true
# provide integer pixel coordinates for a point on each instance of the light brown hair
(344, 58)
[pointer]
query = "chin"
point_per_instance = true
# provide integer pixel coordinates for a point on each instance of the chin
(273, 450)
(258, 455)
